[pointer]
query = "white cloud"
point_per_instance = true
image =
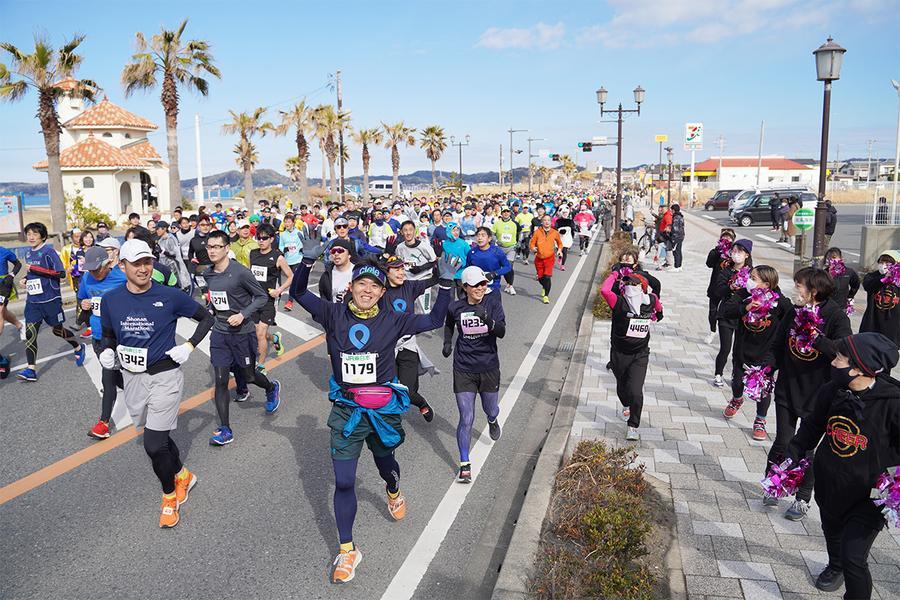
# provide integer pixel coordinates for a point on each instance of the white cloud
(541, 36)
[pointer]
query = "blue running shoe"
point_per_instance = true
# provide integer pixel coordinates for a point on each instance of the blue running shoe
(79, 355)
(27, 375)
(273, 398)
(221, 436)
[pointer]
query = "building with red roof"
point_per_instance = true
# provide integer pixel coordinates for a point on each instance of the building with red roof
(741, 172)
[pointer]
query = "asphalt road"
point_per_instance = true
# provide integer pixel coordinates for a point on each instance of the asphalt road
(260, 521)
(847, 235)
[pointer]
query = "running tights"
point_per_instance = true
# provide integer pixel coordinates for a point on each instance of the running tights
(465, 401)
(408, 374)
(713, 311)
(849, 538)
(31, 336)
(345, 490)
(510, 276)
(110, 379)
(785, 427)
(583, 242)
(164, 455)
(545, 283)
(726, 335)
(631, 372)
(565, 255)
(223, 398)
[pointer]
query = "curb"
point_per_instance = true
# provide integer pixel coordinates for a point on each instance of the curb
(518, 564)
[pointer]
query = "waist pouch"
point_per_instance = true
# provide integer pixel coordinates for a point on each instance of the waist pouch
(372, 396)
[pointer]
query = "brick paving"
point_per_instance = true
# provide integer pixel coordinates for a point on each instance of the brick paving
(730, 545)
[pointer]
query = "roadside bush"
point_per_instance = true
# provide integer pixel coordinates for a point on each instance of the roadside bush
(621, 241)
(596, 530)
(83, 214)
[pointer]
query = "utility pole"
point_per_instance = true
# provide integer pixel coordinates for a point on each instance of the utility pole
(721, 150)
(460, 144)
(198, 191)
(501, 165)
(869, 144)
(511, 178)
(669, 182)
(619, 112)
(762, 130)
(340, 104)
(530, 156)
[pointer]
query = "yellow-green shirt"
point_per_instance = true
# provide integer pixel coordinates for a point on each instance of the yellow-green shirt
(242, 248)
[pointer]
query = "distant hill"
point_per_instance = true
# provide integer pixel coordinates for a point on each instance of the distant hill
(29, 189)
(234, 178)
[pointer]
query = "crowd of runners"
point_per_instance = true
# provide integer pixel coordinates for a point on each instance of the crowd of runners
(392, 272)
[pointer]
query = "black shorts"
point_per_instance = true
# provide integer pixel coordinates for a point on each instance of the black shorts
(7, 290)
(489, 381)
(266, 314)
(227, 349)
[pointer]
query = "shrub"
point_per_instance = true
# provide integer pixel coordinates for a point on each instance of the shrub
(621, 241)
(83, 214)
(596, 529)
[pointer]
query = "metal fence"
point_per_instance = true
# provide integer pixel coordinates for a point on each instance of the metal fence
(882, 209)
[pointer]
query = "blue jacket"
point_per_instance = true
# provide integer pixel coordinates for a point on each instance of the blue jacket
(93, 290)
(491, 260)
(398, 405)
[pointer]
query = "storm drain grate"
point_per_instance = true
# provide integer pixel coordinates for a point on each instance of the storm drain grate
(566, 347)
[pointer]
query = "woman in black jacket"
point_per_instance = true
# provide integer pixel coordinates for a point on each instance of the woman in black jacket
(858, 413)
(846, 281)
(759, 309)
(802, 358)
(717, 259)
(882, 297)
(732, 277)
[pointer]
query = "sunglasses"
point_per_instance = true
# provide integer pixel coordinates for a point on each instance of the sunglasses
(215, 246)
(338, 250)
(341, 226)
(263, 238)
(480, 284)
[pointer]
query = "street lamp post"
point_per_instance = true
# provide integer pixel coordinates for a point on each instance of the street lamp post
(511, 132)
(619, 112)
(669, 153)
(530, 156)
(829, 57)
(896, 85)
(453, 142)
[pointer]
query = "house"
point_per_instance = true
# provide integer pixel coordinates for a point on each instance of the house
(740, 172)
(106, 158)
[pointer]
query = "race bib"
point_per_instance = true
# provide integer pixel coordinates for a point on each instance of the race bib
(638, 328)
(95, 305)
(34, 287)
(506, 238)
(2, 300)
(201, 281)
(290, 249)
(260, 273)
(133, 359)
(219, 300)
(358, 368)
(471, 324)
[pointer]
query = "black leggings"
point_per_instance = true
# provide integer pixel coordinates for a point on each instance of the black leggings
(408, 374)
(785, 428)
(31, 336)
(849, 538)
(583, 242)
(713, 311)
(223, 398)
(737, 388)
(677, 254)
(726, 336)
(545, 284)
(111, 379)
(565, 255)
(164, 455)
(631, 371)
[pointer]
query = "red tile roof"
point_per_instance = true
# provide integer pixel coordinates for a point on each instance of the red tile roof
(93, 152)
(107, 114)
(142, 150)
(66, 85)
(773, 164)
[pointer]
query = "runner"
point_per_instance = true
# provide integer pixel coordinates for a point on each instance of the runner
(584, 220)
(717, 259)
(234, 296)
(289, 243)
(198, 257)
(731, 278)
(506, 232)
(101, 275)
(488, 257)
(420, 260)
(480, 321)
(335, 281)
(8, 290)
(367, 400)
(882, 297)
(566, 228)
(547, 246)
(268, 265)
(525, 220)
(44, 300)
(634, 308)
(138, 322)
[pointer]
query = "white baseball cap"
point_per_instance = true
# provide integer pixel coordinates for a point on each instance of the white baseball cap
(134, 250)
(472, 275)
(110, 242)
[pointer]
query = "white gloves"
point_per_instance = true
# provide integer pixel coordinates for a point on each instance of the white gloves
(108, 359)
(180, 353)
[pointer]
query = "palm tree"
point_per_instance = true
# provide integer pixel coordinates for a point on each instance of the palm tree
(568, 166)
(295, 168)
(246, 150)
(365, 138)
(545, 173)
(300, 118)
(247, 126)
(41, 70)
(434, 142)
(394, 135)
(178, 62)
(328, 123)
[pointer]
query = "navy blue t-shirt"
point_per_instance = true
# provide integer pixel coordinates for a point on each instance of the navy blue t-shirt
(403, 299)
(476, 347)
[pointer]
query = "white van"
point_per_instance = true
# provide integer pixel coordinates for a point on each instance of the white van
(384, 189)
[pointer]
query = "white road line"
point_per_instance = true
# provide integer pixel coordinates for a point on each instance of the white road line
(407, 579)
(767, 238)
(708, 217)
(43, 360)
(120, 416)
(295, 326)
(185, 328)
(851, 253)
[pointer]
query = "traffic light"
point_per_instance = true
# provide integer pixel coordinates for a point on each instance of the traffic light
(554, 157)
(585, 146)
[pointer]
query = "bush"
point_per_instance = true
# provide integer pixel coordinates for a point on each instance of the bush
(84, 215)
(621, 241)
(597, 525)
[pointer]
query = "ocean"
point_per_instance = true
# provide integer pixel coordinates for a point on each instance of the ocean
(37, 201)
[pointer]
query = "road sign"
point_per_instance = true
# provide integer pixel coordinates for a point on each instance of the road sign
(693, 136)
(662, 137)
(804, 218)
(598, 139)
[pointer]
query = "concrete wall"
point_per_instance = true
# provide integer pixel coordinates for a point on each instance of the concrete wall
(876, 239)
(745, 177)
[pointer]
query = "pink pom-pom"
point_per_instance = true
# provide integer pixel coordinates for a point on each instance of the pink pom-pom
(757, 382)
(886, 495)
(892, 277)
(782, 481)
(850, 307)
(806, 327)
(739, 279)
(836, 267)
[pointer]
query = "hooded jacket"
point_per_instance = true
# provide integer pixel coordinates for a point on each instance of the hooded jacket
(455, 246)
(753, 342)
(881, 314)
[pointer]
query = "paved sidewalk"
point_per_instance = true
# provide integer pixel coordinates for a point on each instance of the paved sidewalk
(730, 545)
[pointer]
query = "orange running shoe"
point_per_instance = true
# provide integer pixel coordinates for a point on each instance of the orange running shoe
(183, 486)
(397, 506)
(345, 566)
(169, 515)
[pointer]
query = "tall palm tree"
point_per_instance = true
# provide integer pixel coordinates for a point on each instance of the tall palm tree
(545, 173)
(568, 166)
(246, 150)
(295, 169)
(366, 138)
(394, 135)
(300, 118)
(434, 142)
(177, 62)
(247, 126)
(41, 70)
(329, 122)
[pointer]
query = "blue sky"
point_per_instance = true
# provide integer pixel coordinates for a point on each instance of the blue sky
(482, 67)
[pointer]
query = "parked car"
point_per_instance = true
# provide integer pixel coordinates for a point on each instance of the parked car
(740, 199)
(720, 200)
(756, 211)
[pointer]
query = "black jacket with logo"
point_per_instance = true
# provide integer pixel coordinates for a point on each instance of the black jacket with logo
(715, 262)
(862, 439)
(881, 314)
(753, 344)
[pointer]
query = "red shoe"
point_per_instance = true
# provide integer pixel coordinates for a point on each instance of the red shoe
(86, 333)
(759, 430)
(289, 305)
(733, 407)
(100, 430)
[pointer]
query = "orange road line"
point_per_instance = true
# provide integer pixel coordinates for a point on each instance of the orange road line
(76, 459)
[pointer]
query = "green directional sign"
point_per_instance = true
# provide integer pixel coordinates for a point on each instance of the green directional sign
(804, 218)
